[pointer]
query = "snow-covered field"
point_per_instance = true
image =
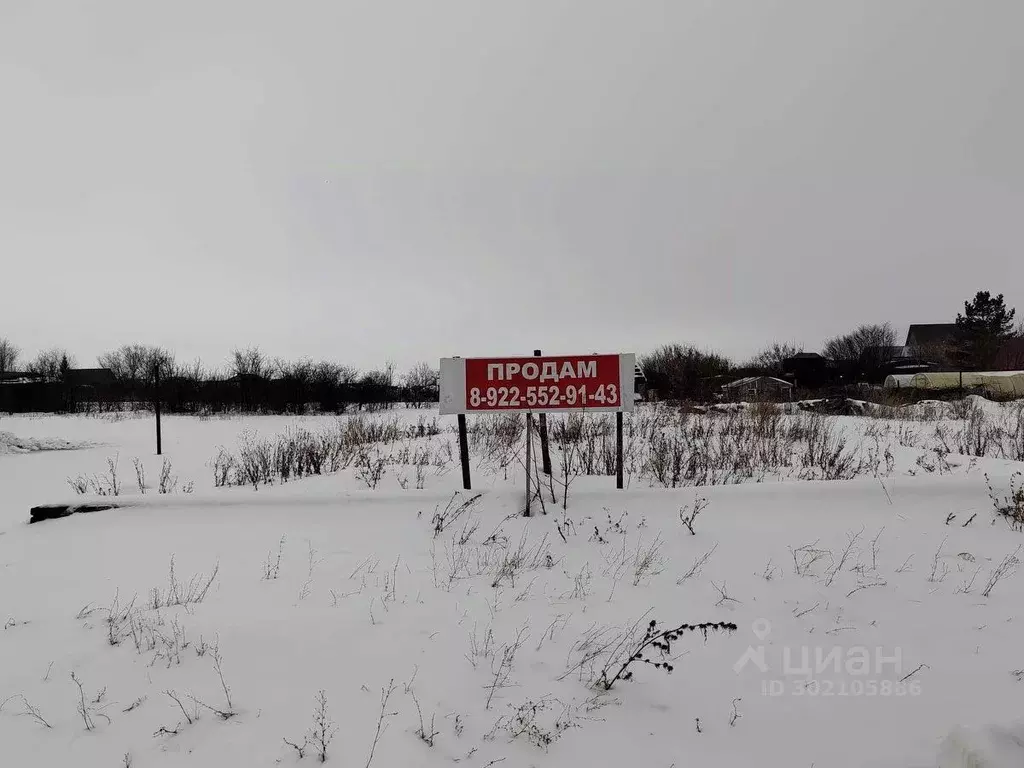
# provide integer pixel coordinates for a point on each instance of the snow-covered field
(876, 616)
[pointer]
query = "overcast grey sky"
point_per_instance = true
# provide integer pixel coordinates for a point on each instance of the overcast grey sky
(405, 180)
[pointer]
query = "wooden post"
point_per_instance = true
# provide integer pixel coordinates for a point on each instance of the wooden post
(545, 450)
(464, 451)
(156, 408)
(618, 449)
(529, 444)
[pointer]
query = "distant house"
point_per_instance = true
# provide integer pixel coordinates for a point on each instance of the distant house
(90, 377)
(931, 334)
(1011, 356)
(759, 388)
(905, 366)
(932, 341)
(76, 377)
(810, 370)
(879, 355)
(18, 377)
(639, 383)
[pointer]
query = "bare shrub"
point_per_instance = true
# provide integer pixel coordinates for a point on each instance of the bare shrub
(255, 461)
(481, 646)
(385, 696)
(647, 561)
(80, 484)
(698, 565)
(190, 717)
(824, 455)
(581, 582)
(108, 484)
(693, 449)
(168, 481)
(193, 591)
(371, 469)
(688, 515)
(272, 566)
(140, 474)
(977, 436)
(535, 721)
(88, 707)
(614, 653)
(502, 666)
(224, 466)
(524, 557)
(218, 667)
(425, 735)
(323, 729)
(938, 573)
(444, 518)
(113, 483)
(805, 557)
(28, 710)
(1006, 566)
(1011, 505)
(851, 542)
(497, 437)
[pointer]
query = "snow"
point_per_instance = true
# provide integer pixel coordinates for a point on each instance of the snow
(12, 444)
(364, 593)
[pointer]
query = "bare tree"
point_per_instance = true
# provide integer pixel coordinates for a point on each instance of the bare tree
(193, 372)
(347, 374)
(679, 372)
(864, 350)
(51, 364)
(8, 355)
(771, 357)
(421, 383)
(250, 362)
(136, 364)
(422, 375)
(125, 363)
(328, 374)
(853, 346)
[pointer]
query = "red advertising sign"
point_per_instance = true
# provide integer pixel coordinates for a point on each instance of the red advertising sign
(553, 383)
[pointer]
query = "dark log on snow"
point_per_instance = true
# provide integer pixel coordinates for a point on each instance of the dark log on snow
(55, 511)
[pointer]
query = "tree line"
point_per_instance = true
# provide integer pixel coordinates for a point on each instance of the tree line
(253, 380)
(980, 334)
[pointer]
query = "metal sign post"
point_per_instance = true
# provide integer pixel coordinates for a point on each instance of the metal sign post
(156, 409)
(545, 449)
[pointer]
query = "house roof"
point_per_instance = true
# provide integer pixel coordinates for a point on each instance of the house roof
(18, 377)
(1011, 354)
(883, 353)
(922, 334)
(754, 379)
(90, 376)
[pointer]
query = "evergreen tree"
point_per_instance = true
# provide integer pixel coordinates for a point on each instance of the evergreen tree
(985, 325)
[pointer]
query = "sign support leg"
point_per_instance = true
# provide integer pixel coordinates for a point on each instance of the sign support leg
(529, 444)
(464, 451)
(618, 449)
(156, 409)
(545, 450)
